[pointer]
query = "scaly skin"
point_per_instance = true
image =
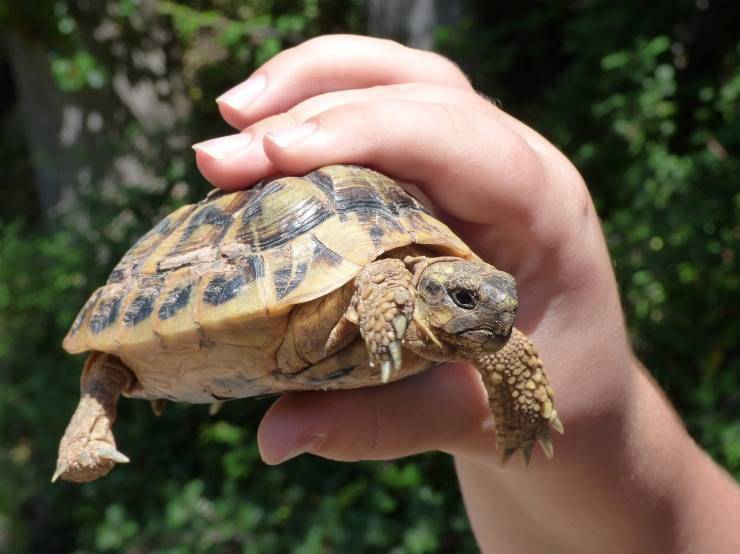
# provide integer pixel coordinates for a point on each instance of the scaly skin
(87, 450)
(384, 305)
(520, 397)
(388, 298)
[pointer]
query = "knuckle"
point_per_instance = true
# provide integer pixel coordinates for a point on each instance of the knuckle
(524, 159)
(360, 117)
(532, 171)
(358, 442)
(394, 89)
(277, 121)
(490, 102)
(392, 44)
(577, 191)
(449, 68)
(314, 43)
(461, 124)
(446, 67)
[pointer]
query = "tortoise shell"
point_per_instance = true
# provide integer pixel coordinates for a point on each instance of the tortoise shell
(230, 269)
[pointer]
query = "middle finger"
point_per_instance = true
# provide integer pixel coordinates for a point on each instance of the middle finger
(236, 161)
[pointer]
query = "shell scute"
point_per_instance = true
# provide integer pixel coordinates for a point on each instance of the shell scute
(306, 269)
(230, 298)
(207, 270)
(140, 308)
(195, 240)
(131, 264)
(83, 317)
(323, 182)
(98, 323)
(175, 300)
(282, 211)
(223, 288)
(174, 323)
(210, 222)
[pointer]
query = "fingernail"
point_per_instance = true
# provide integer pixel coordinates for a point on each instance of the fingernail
(222, 148)
(306, 444)
(290, 136)
(243, 94)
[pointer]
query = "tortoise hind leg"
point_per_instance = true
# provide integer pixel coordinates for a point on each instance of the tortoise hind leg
(87, 450)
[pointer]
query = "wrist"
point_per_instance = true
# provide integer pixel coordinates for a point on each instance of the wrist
(625, 478)
(595, 383)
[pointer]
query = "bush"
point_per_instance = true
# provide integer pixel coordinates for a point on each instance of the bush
(648, 114)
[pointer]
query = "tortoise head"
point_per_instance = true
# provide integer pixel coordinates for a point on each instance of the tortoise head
(469, 306)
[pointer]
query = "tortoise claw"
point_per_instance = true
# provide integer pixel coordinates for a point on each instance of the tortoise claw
(400, 322)
(395, 350)
(88, 463)
(59, 471)
(385, 371)
(546, 445)
(506, 454)
(527, 453)
(114, 455)
(556, 424)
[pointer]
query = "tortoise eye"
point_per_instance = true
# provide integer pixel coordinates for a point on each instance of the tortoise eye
(463, 298)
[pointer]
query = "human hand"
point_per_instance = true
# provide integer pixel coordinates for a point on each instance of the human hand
(622, 469)
(511, 195)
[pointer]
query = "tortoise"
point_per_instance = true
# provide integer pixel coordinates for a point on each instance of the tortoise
(336, 279)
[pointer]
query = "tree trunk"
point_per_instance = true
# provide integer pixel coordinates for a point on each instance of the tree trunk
(412, 22)
(80, 140)
(41, 108)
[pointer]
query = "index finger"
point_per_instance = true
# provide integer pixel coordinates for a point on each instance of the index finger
(327, 64)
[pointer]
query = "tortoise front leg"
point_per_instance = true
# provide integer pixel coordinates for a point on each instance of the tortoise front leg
(520, 396)
(382, 307)
(87, 450)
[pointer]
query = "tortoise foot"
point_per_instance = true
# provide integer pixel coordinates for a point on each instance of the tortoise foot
(521, 398)
(384, 303)
(88, 450)
(83, 463)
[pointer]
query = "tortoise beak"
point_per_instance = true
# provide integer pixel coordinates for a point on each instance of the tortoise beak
(490, 341)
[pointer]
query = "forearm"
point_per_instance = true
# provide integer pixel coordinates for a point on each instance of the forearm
(628, 481)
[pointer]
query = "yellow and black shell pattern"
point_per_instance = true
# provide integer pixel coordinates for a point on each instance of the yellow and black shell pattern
(235, 258)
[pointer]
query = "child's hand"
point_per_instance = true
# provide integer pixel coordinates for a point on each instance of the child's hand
(502, 187)
(619, 480)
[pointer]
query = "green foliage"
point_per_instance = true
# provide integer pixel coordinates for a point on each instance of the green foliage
(77, 72)
(305, 507)
(648, 114)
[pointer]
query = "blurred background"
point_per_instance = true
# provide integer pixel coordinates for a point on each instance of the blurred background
(99, 103)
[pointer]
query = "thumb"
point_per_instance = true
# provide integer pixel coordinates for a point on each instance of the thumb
(434, 410)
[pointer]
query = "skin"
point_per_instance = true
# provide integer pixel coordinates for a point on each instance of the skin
(448, 309)
(87, 450)
(627, 477)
